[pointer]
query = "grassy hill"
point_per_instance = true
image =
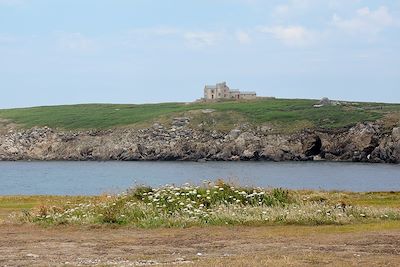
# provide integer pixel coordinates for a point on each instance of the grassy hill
(283, 114)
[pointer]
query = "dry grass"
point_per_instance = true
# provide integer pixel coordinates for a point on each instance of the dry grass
(289, 245)
(212, 204)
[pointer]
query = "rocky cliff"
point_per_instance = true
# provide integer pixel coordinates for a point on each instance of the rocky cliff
(366, 142)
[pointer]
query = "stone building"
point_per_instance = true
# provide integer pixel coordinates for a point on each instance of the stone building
(222, 91)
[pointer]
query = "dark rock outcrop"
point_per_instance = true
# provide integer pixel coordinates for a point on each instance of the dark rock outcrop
(365, 142)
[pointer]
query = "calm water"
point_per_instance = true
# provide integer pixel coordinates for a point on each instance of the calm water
(88, 178)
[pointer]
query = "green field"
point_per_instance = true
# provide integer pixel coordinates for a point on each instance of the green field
(284, 114)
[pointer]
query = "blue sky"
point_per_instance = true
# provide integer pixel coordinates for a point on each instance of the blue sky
(138, 51)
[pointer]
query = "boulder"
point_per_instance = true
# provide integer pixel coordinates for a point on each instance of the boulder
(233, 134)
(180, 121)
(396, 134)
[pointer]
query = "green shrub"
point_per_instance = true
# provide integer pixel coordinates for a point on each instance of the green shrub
(214, 204)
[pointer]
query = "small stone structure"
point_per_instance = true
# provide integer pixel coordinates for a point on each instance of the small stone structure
(222, 91)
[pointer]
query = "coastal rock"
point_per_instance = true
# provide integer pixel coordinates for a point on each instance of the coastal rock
(396, 134)
(180, 121)
(354, 144)
(233, 134)
(246, 138)
(363, 142)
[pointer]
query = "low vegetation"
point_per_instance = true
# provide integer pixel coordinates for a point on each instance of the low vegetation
(215, 204)
(284, 114)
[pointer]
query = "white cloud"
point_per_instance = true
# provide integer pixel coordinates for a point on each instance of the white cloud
(192, 38)
(365, 21)
(243, 37)
(291, 35)
(77, 42)
(165, 30)
(293, 8)
(200, 39)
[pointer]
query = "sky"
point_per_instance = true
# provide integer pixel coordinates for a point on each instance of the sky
(148, 51)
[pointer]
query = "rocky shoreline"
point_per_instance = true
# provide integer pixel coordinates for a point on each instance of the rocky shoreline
(365, 142)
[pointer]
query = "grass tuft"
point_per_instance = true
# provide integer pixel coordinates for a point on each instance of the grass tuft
(216, 203)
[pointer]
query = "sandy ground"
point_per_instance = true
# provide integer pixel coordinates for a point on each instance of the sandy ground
(29, 245)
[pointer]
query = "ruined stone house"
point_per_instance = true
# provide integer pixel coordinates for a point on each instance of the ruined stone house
(222, 91)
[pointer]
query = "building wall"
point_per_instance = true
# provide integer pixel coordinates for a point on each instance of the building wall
(209, 93)
(248, 96)
(234, 95)
(222, 91)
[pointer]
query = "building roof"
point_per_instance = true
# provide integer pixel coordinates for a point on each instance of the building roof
(248, 93)
(218, 85)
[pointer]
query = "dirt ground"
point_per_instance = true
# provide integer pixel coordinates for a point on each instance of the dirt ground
(371, 245)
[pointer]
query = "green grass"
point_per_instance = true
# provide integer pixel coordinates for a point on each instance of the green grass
(285, 114)
(9, 204)
(214, 204)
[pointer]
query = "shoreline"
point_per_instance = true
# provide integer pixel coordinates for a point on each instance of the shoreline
(365, 142)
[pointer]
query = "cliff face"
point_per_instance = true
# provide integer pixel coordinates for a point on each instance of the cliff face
(363, 142)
